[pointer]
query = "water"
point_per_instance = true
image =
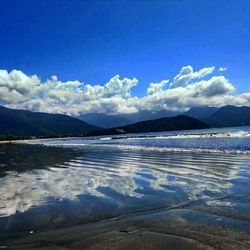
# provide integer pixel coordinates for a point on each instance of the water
(55, 183)
(224, 140)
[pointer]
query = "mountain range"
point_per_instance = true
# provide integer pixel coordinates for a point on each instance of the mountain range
(180, 122)
(117, 120)
(230, 116)
(202, 117)
(226, 116)
(201, 112)
(26, 123)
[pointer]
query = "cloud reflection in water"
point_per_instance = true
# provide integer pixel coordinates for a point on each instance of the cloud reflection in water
(103, 172)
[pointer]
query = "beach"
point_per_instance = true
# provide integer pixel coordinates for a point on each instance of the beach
(127, 193)
(175, 228)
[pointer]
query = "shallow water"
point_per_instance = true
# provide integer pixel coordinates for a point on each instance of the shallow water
(223, 140)
(59, 183)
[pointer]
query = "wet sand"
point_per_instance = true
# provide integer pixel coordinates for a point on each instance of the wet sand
(179, 228)
(103, 198)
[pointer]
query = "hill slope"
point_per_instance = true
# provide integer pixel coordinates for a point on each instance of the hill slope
(118, 120)
(105, 121)
(180, 122)
(229, 116)
(201, 112)
(26, 123)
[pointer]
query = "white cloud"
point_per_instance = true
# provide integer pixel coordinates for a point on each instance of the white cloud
(221, 69)
(122, 88)
(187, 75)
(156, 87)
(188, 88)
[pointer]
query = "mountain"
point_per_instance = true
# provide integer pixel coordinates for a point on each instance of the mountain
(201, 112)
(230, 116)
(106, 121)
(26, 123)
(117, 120)
(15, 122)
(151, 115)
(180, 122)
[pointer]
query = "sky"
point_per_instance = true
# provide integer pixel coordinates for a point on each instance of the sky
(79, 57)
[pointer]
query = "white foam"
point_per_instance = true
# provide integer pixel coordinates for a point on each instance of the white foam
(193, 136)
(173, 149)
(106, 139)
(148, 148)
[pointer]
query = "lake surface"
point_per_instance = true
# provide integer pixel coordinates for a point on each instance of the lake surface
(46, 184)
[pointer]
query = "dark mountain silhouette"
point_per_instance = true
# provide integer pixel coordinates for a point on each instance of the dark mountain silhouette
(15, 122)
(180, 122)
(230, 116)
(106, 121)
(201, 112)
(26, 123)
(117, 120)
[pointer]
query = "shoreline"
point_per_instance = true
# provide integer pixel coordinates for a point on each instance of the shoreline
(6, 142)
(135, 135)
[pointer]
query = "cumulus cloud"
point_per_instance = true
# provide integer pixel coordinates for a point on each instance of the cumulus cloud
(156, 87)
(187, 75)
(187, 89)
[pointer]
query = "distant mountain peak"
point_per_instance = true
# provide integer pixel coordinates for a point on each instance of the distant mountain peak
(229, 115)
(202, 112)
(179, 122)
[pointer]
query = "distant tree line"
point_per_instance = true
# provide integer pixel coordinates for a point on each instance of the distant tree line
(14, 137)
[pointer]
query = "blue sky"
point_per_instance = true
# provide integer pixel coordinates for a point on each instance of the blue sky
(94, 40)
(91, 41)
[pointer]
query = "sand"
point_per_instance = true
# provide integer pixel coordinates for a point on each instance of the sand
(161, 229)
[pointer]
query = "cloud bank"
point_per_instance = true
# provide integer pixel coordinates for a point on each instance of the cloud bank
(187, 89)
